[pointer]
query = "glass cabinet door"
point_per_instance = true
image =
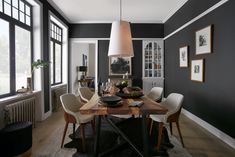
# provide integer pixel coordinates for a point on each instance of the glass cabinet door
(152, 55)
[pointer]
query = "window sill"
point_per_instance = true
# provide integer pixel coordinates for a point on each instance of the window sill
(58, 85)
(17, 96)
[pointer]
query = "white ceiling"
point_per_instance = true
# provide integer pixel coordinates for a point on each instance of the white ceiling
(106, 11)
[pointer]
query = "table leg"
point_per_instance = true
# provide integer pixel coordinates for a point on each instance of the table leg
(97, 136)
(117, 130)
(145, 136)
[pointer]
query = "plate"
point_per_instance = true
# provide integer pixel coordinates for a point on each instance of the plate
(111, 100)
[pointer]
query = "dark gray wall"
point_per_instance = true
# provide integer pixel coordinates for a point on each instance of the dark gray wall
(103, 30)
(103, 71)
(46, 8)
(186, 13)
(213, 100)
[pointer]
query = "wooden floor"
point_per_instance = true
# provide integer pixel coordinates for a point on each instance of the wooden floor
(198, 141)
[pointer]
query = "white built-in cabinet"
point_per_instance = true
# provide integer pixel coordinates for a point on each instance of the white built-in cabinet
(152, 64)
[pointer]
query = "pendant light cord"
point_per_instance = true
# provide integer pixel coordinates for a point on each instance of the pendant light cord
(120, 10)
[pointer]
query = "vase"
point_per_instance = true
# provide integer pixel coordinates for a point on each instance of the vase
(29, 84)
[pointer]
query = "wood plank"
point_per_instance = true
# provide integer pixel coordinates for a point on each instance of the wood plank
(149, 107)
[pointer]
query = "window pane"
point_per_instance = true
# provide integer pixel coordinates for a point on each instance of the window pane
(15, 13)
(8, 1)
(57, 63)
(59, 32)
(53, 34)
(7, 9)
(57, 37)
(23, 56)
(52, 63)
(21, 6)
(22, 17)
(1, 5)
(15, 3)
(4, 58)
(27, 10)
(28, 20)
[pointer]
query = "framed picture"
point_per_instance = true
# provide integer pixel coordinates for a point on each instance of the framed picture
(119, 65)
(204, 40)
(183, 56)
(197, 70)
(84, 60)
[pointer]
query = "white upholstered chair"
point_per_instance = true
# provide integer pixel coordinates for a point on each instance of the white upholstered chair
(174, 104)
(155, 94)
(85, 93)
(71, 106)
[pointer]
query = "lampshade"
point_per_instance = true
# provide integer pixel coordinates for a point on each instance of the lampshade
(82, 68)
(120, 40)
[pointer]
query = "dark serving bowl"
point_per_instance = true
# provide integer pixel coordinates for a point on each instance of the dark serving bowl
(110, 100)
(130, 95)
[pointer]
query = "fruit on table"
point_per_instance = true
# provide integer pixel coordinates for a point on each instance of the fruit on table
(122, 84)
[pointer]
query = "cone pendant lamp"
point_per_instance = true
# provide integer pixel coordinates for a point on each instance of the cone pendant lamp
(120, 39)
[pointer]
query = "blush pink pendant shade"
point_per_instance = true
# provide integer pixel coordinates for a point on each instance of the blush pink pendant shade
(120, 40)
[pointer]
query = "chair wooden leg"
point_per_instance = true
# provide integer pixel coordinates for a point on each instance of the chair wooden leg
(159, 135)
(181, 138)
(74, 126)
(83, 137)
(171, 127)
(65, 130)
(151, 127)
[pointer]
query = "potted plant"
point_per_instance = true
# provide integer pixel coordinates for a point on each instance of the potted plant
(35, 65)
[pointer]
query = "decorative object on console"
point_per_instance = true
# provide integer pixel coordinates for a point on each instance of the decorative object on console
(197, 70)
(183, 56)
(120, 39)
(204, 40)
(119, 65)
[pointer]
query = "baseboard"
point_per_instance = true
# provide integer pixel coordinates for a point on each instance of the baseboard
(221, 135)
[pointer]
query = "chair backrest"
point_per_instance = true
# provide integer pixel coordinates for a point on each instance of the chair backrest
(155, 93)
(70, 103)
(173, 103)
(85, 93)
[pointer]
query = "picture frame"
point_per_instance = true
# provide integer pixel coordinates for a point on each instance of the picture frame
(84, 60)
(203, 39)
(183, 57)
(197, 70)
(120, 65)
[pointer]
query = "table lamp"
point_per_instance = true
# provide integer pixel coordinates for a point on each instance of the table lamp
(82, 69)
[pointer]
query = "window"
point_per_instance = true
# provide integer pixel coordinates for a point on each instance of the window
(15, 45)
(56, 53)
(17, 9)
(22, 55)
(4, 58)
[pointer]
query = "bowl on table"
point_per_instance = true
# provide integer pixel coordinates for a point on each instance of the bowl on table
(111, 100)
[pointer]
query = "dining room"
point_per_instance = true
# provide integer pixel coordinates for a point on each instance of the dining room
(117, 78)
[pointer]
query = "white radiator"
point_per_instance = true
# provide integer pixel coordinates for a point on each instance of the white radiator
(23, 110)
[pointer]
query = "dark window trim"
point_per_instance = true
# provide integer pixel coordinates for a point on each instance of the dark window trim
(12, 24)
(61, 53)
